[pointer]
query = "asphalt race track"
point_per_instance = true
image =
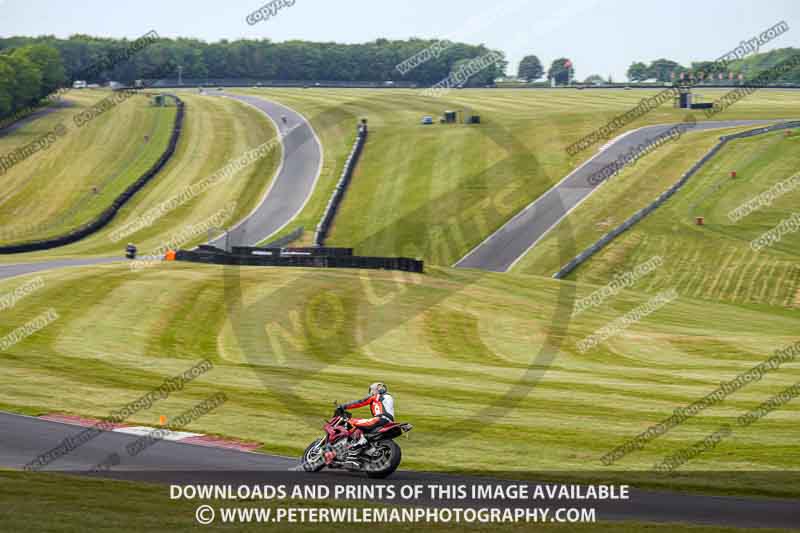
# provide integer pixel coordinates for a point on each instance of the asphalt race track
(288, 193)
(501, 250)
(294, 182)
(39, 113)
(22, 438)
(9, 271)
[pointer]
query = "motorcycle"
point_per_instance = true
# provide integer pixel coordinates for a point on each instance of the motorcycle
(379, 457)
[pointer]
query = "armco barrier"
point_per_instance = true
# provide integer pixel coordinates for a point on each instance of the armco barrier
(106, 216)
(664, 196)
(338, 193)
(314, 261)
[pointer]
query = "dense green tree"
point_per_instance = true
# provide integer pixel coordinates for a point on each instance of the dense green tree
(258, 59)
(27, 79)
(48, 60)
(637, 72)
(530, 68)
(561, 70)
(662, 69)
(763, 64)
(28, 73)
(476, 72)
(6, 88)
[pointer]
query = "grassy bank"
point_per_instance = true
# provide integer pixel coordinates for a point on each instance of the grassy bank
(713, 261)
(486, 366)
(55, 190)
(216, 131)
(437, 191)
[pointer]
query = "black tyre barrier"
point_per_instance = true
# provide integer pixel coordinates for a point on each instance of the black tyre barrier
(104, 218)
(217, 256)
(317, 251)
(338, 193)
(664, 196)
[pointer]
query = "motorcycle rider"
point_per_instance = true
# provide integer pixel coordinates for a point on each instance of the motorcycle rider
(381, 404)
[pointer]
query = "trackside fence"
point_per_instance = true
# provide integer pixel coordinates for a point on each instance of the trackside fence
(664, 196)
(326, 222)
(104, 218)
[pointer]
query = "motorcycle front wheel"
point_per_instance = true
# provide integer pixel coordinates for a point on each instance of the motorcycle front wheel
(385, 459)
(312, 458)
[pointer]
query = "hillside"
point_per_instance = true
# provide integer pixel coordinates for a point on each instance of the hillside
(216, 131)
(83, 169)
(437, 191)
(716, 261)
(496, 356)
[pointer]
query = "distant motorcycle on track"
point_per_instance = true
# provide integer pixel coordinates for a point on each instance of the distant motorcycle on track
(378, 458)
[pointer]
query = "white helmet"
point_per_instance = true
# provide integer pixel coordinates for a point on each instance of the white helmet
(377, 388)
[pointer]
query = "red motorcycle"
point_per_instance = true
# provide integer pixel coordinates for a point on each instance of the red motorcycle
(379, 457)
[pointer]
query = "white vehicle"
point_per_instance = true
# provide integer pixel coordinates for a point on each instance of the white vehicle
(79, 84)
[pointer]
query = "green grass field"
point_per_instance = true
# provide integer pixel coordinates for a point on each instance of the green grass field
(78, 188)
(216, 130)
(432, 192)
(77, 504)
(457, 348)
(493, 355)
(713, 261)
(437, 191)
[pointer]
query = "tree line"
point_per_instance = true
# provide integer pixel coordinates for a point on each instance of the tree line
(261, 59)
(561, 70)
(666, 70)
(32, 67)
(27, 75)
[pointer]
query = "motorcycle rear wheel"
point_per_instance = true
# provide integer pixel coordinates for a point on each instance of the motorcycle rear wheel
(387, 461)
